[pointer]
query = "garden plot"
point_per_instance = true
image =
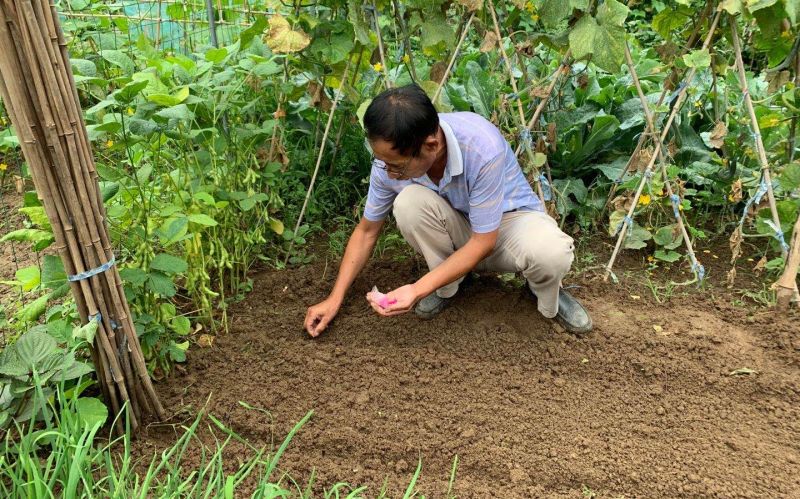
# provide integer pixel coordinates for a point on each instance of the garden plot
(696, 397)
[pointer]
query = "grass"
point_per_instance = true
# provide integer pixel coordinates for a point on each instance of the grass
(69, 458)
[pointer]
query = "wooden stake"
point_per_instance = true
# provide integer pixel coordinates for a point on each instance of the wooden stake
(453, 57)
(786, 286)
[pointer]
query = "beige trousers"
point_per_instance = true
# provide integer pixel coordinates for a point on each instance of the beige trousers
(528, 242)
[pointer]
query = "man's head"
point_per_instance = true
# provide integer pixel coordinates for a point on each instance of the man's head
(403, 131)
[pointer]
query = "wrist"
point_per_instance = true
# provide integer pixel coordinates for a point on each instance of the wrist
(420, 290)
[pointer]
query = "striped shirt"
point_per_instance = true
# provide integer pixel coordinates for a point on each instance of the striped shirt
(482, 178)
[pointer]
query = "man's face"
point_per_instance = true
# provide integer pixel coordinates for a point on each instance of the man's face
(400, 167)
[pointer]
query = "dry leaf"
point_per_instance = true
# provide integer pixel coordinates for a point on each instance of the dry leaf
(205, 340)
(318, 96)
(489, 42)
(541, 92)
(280, 113)
(438, 71)
(736, 191)
(742, 371)
(717, 137)
(657, 328)
(761, 265)
(735, 241)
(471, 5)
(777, 80)
(583, 81)
(282, 39)
(551, 136)
(731, 278)
(642, 159)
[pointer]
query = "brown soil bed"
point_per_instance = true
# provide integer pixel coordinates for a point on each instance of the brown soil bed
(645, 406)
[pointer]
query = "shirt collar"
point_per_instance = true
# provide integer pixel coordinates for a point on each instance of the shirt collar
(455, 162)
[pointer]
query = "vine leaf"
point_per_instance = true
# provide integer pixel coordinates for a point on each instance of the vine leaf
(601, 37)
(282, 39)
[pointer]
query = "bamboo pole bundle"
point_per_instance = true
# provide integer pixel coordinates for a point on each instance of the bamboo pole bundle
(37, 86)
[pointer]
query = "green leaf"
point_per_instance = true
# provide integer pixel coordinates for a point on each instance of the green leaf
(480, 89)
(178, 351)
(169, 264)
(179, 112)
(129, 92)
(669, 237)
(33, 310)
(161, 284)
(697, 59)
(733, 7)
(142, 127)
(181, 325)
(53, 273)
(667, 256)
(33, 236)
(28, 277)
(83, 67)
(256, 29)
(91, 411)
(170, 100)
(135, 276)
(668, 20)
(637, 237)
(602, 37)
(34, 346)
(86, 332)
(248, 203)
(612, 13)
(37, 216)
(120, 59)
(216, 55)
(202, 219)
(790, 177)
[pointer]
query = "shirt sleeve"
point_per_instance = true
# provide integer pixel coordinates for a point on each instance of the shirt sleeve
(380, 197)
(486, 196)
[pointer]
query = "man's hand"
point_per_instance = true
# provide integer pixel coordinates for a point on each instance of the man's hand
(401, 299)
(320, 315)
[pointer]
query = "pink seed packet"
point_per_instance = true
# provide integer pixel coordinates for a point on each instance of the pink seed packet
(381, 298)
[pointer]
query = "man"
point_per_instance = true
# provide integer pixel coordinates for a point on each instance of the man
(461, 200)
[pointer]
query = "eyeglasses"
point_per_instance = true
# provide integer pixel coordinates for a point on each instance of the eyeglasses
(399, 169)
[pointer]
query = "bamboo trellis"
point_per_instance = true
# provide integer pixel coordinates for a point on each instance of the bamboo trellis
(38, 89)
(627, 222)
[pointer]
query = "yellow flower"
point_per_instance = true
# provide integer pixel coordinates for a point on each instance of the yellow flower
(644, 200)
(406, 58)
(130, 111)
(650, 258)
(3, 167)
(730, 197)
(109, 143)
(377, 66)
(535, 17)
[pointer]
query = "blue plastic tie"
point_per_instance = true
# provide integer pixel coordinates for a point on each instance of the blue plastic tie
(677, 92)
(699, 270)
(512, 96)
(676, 202)
(546, 189)
(525, 137)
(93, 272)
(762, 190)
(625, 221)
(98, 317)
(778, 235)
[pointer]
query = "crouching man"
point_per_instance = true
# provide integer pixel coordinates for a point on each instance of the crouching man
(461, 201)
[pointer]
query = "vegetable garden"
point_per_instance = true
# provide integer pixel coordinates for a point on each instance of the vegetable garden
(179, 180)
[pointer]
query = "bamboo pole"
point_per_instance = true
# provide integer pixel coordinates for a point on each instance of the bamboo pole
(697, 268)
(385, 69)
(37, 85)
(628, 220)
(786, 285)
(453, 57)
(523, 132)
(762, 154)
(335, 104)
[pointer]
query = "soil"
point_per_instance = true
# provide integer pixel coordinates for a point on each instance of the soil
(644, 406)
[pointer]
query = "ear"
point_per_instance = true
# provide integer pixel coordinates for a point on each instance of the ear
(433, 142)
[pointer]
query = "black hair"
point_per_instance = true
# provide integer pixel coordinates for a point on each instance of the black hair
(402, 116)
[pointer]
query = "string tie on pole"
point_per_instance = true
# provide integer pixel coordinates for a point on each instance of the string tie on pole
(93, 272)
(546, 189)
(699, 270)
(762, 190)
(625, 221)
(778, 235)
(676, 203)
